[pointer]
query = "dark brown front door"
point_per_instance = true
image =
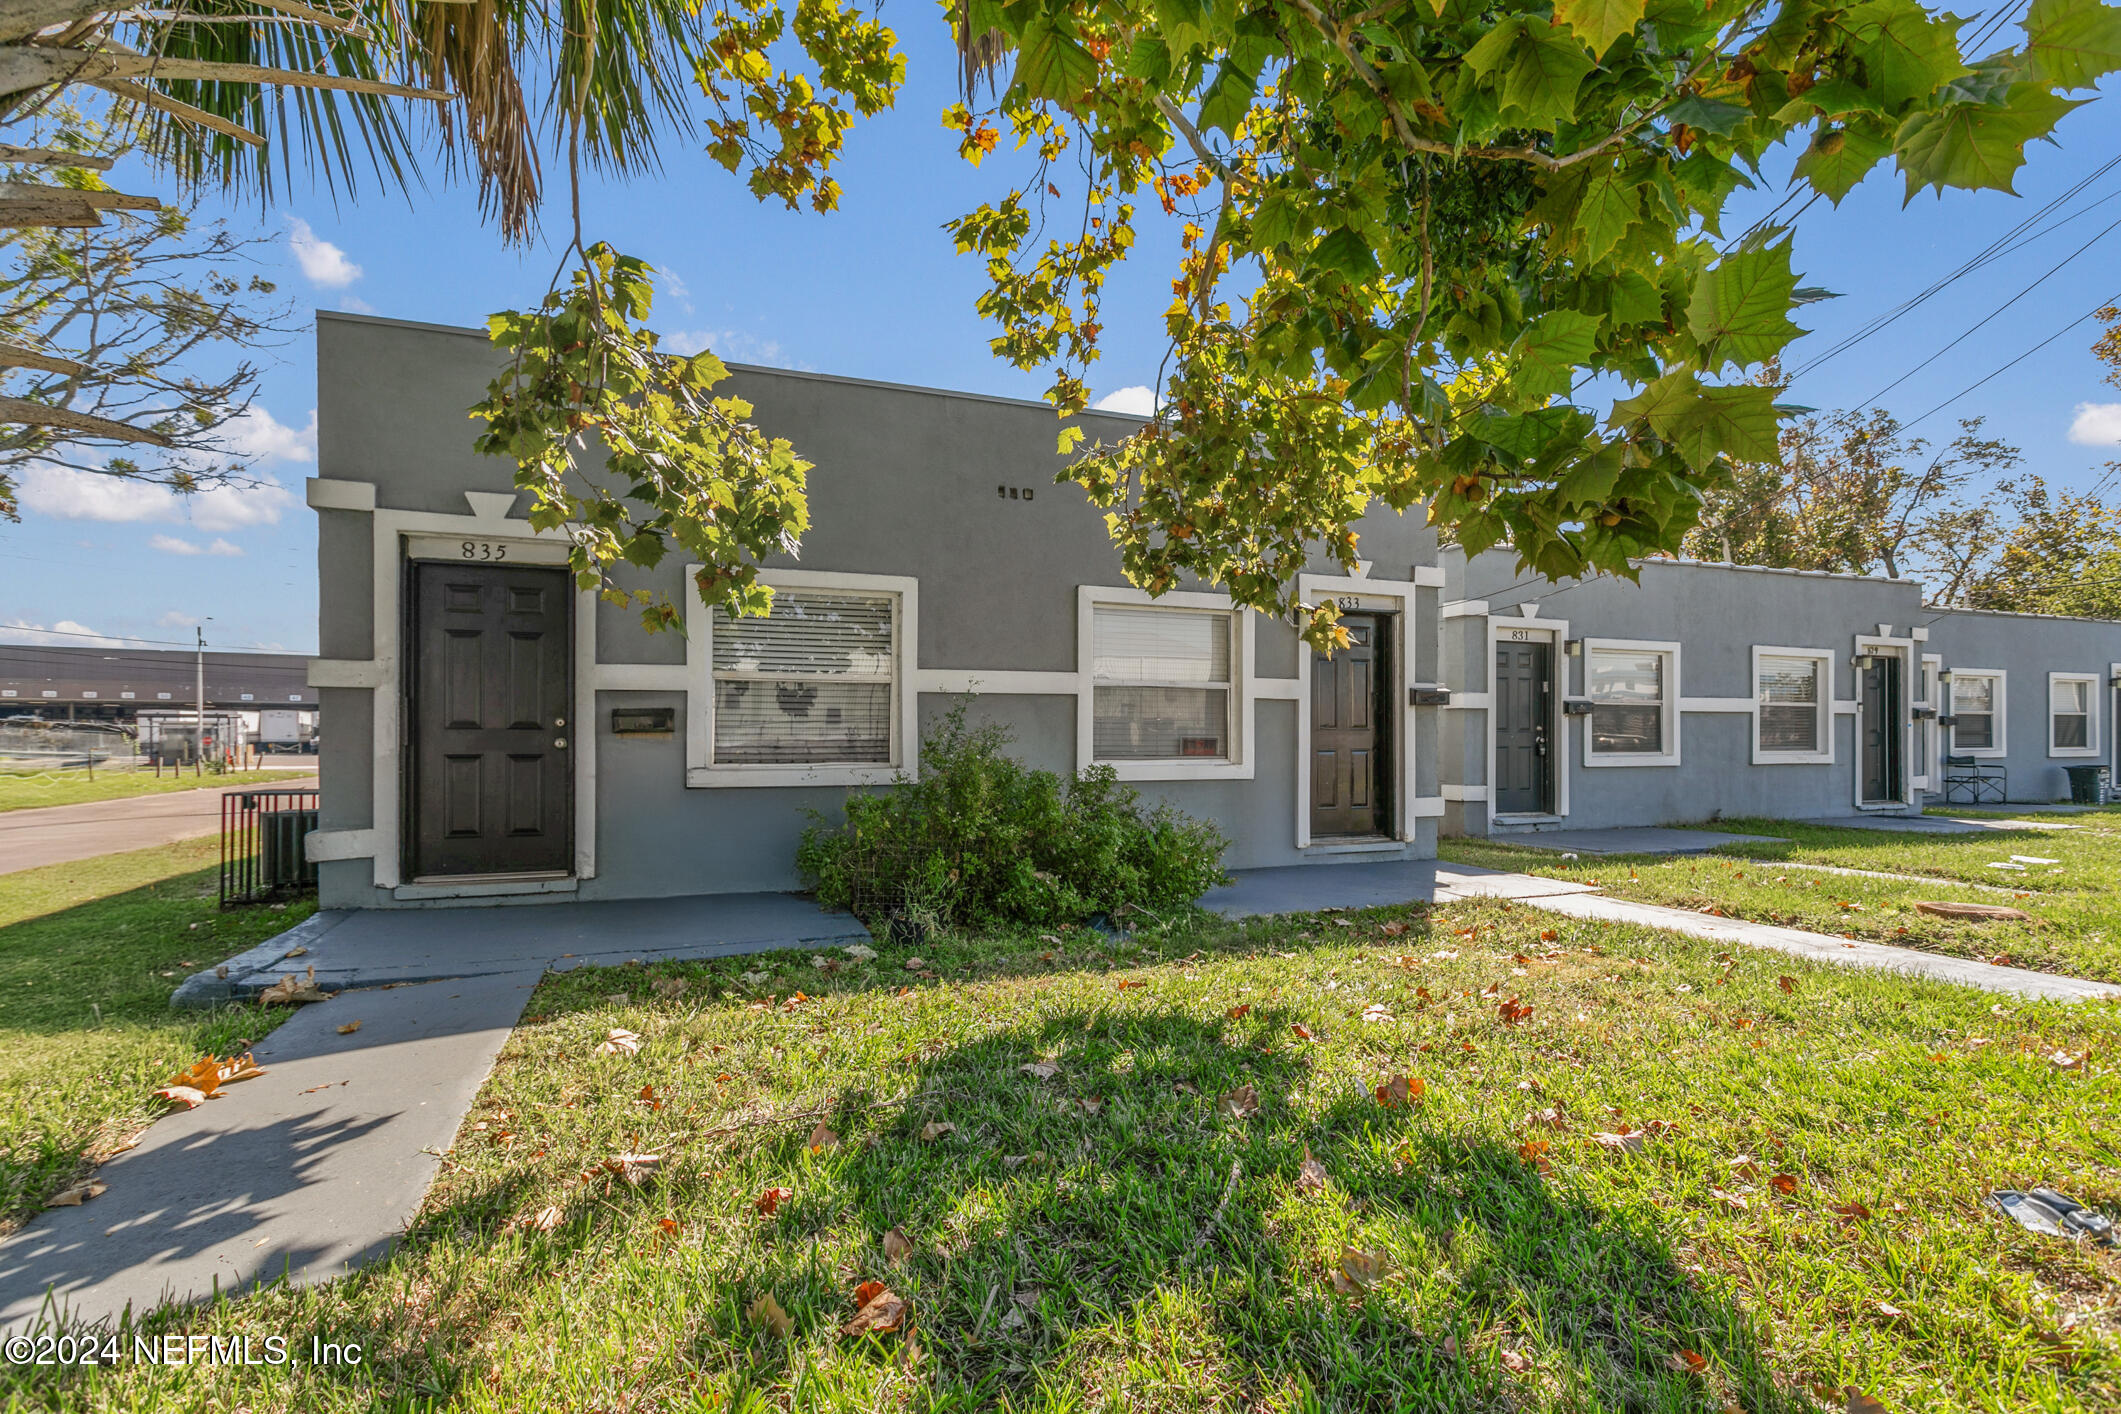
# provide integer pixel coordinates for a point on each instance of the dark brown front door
(492, 789)
(1523, 705)
(1351, 741)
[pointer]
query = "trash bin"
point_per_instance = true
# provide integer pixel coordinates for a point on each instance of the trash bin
(2087, 785)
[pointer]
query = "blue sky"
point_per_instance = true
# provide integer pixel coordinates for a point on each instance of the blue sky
(876, 291)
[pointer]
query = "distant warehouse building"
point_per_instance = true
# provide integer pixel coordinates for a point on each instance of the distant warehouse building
(116, 684)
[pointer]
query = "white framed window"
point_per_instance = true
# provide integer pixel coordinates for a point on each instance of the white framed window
(1633, 688)
(1163, 691)
(1793, 706)
(814, 692)
(2072, 714)
(1977, 708)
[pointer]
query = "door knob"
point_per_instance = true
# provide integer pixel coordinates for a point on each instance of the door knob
(559, 743)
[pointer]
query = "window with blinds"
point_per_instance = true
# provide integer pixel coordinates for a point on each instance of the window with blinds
(1973, 712)
(2069, 708)
(1789, 699)
(811, 683)
(1626, 687)
(1160, 684)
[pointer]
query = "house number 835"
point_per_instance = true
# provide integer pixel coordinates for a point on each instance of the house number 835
(484, 550)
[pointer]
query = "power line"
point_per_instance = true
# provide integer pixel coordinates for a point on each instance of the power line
(2009, 241)
(2109, 300)
(1971, 329)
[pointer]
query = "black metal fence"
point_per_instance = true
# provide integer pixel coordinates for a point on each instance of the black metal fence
(261, 844)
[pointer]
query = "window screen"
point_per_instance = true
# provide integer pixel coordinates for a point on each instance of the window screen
(1789, 703)
(1973, 713)
(1627, 702)
(2070, 704)
(1161, 687)
(811, 683)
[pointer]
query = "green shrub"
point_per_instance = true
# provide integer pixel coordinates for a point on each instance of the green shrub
(981, 840)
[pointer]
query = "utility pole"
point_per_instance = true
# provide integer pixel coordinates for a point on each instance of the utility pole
(199, 686)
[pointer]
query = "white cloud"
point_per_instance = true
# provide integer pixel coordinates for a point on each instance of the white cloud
(733, 345)
(1136, 400)
(176, 618)
(86, 495)
(2097, 425)
(255, 434)
(176, 545)
(65, 633)
(354, 304)
(324, 263)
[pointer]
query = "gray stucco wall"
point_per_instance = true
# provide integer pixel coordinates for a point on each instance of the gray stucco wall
(2026, 648)
(1717, 614)
(905, 483)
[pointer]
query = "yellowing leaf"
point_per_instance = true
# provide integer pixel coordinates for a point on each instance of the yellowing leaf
(1359, 1270)
(349, 1028)
(822, 1137)
(294, 991)
(767, 1312)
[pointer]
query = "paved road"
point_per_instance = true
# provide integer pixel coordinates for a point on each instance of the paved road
(60, 833)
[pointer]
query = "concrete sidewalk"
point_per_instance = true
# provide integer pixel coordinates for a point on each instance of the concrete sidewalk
(1631, 840)
(300, 1174)
(1932, 824)
(372, 947)
(60, 834)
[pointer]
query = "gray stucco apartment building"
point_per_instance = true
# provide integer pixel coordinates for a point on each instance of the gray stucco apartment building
(499, 737)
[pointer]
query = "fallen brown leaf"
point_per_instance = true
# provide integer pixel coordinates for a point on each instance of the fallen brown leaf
(620, 1042)
(1399, 1090)
(75, 1196)
(880, 1310)
(1238, 1013)
(896, 1247)
(1241, 1103)
(1627, 1141)
(769, 1202)
(294, 991)
(1783, 1182)
(184, 1095)
(1310, 1174)
(634, 1168)
(1861, 1403)
(822, 1137)
(1788, 984)
(1688, 1362)
(936, 1129)
(1041, 1070)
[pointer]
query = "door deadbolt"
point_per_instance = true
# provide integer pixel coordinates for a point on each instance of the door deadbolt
(559, 721)
(559, 743)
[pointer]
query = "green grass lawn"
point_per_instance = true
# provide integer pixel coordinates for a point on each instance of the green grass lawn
(1794, 1205)
(31, 790)
(89, 953)
(2075, 905)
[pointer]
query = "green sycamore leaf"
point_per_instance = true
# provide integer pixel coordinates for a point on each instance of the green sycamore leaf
(1591, 481)
(1550, 350)
(1537, 65)
(1739, 312)
(2073, 42)
(1598, 22)
(1634, 300)
(1976, 145)
(1905, 54)
(1709, 115)
(1837, 160)
(1149, 59)
(1347, 253)
(1739, 422)
(1052, 65)
(1611, 203)
(1228, 99)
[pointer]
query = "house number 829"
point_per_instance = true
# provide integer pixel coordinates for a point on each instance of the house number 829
(484, 550)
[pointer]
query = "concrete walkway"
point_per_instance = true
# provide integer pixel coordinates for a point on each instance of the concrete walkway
(1932, 824)
(1631, 840)
(1841, 952)
(375, 947)
(302, 1173)
(60, 834)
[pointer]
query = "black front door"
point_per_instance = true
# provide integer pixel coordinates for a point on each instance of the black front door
(1882, 765)
(492, 787)
(1523, 704)
(1351, 741)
